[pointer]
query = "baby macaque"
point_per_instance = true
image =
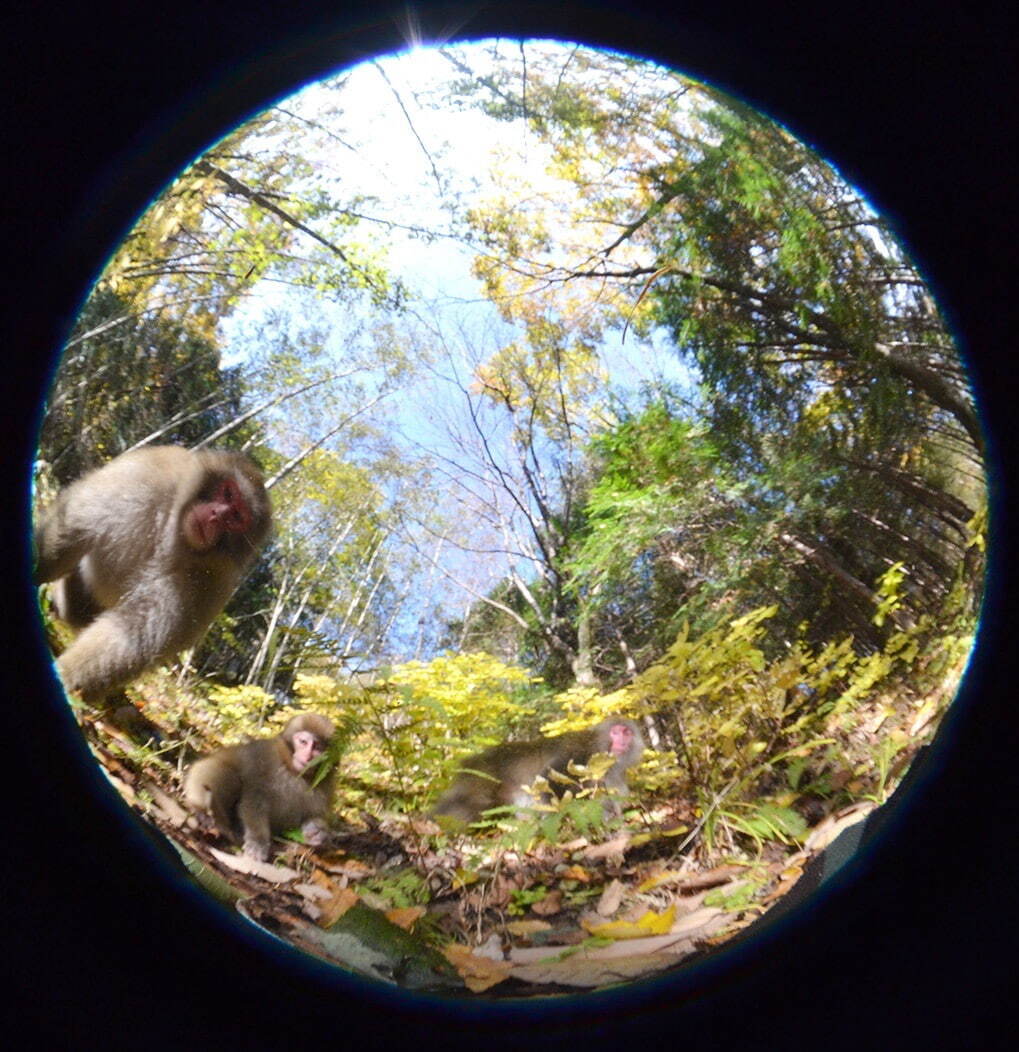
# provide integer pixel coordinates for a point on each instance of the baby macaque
(264, 787)
(501, 775)
(145, 552)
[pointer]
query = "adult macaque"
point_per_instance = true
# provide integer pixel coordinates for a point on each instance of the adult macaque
(264, 787)
(145, 552)
(501, 775)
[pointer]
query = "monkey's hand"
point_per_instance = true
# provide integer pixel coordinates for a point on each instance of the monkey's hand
(118, 645)
(256, 849)
(315, 832)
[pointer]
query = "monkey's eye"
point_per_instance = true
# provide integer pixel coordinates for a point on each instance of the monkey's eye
(236, 516)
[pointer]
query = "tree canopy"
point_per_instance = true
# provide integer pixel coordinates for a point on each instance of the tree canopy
(579, 388)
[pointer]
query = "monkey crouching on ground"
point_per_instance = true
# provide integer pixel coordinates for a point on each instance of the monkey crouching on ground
(264, 787)
(501, 775)
(144, 552)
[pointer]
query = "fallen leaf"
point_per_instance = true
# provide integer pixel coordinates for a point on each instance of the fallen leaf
(659, 944)
(478, 973)
(405, 916)
(491, 948)
(928, 710)
(351, 867)
(794, 862)
(829, 828)
(125, 789)
(873, 725)
(167, 806)
(789, 878)
(592, 975)
(590, 968)
(710, 878)
(702, 922)
(338, 903)
(524, 928)
(610, 899)
(313, 891)
(551, 904)
(660, 878)
(614, 848)
(650, 923)
(639, 839)
(576, 844)
(265, 870)
(576, 872)
(323, 880)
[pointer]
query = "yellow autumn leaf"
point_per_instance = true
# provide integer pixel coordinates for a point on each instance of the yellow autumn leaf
(660, 878)
(527, 927)
(576, 872)
(463, 878)
(650, 923)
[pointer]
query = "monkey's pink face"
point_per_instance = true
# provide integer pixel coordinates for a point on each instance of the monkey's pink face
(620, 737)
(226, 511)
(306, 748)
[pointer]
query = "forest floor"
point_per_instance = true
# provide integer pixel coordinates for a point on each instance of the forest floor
(394, 898)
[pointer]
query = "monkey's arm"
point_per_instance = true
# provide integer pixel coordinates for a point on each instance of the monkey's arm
(59, 543)
(253, 812)
(122, 642)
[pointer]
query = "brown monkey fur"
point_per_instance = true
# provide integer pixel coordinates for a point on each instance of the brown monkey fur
(144, 552)
(504, 771)
(264, 787)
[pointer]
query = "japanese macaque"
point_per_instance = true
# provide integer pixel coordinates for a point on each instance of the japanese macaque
(145, 552)
(501, 775)
(264, 787)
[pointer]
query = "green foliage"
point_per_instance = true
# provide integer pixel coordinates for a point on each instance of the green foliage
(125, 378)
(236, 713)
(887, 749)
(654, 468)
(409, 731)
(576, 808)
(747, 560)
(253, 197)
(472, 693)
(398, 890)
(522, 899)
(742, 897)
(743, 735)
(889, 592)
(833, 416)
(767, 821)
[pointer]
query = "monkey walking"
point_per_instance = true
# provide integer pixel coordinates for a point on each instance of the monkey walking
(504, 771)
(264, 787)
(145, 552)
